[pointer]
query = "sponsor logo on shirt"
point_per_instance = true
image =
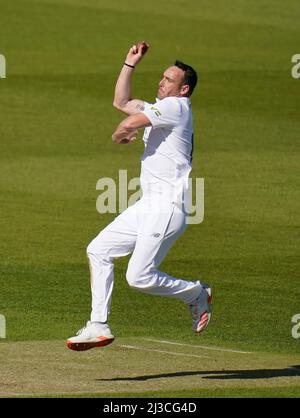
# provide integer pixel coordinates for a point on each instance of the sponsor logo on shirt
(156, 111)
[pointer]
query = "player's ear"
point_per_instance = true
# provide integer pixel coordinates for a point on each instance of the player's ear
(185, 89)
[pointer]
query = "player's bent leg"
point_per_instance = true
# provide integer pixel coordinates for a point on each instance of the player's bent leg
(143, 275)
(157, 234)
(197, 296)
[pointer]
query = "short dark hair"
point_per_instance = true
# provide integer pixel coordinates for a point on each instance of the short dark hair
(190, 75)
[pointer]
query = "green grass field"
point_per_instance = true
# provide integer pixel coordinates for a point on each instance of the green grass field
(56, 120)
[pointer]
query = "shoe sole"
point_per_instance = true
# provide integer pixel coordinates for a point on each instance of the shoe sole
(88, 345)
(206, 316)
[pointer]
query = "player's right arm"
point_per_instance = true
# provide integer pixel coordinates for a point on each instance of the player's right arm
(122, 99)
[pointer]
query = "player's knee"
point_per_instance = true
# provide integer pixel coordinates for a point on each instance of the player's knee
(94, 248)
(95, 254)
(98, 245)
(137, 278)
(133, 277)
(89, 249)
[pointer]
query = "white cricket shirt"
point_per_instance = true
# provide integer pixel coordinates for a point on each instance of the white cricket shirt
(167, 158)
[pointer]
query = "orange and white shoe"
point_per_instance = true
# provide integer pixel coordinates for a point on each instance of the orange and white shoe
(201, 310)
(91, 336)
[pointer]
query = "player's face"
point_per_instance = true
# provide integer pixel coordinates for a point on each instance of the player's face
(172, 83)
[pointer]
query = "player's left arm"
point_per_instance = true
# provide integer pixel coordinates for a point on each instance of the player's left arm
(127, 130)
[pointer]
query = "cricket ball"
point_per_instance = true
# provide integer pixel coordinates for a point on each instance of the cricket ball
(144, 47)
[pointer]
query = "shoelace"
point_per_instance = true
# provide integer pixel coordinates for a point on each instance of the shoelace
(105, 327)
(82, 329)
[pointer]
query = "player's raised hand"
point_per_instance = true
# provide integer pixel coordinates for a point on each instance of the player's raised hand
(136, 53)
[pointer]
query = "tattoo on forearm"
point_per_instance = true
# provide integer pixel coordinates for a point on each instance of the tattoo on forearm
(140, 107)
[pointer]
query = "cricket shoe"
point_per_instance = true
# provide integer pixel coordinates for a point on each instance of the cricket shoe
(91, 336)
(201, 310)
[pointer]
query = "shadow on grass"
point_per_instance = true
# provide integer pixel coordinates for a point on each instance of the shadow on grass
(217, 374)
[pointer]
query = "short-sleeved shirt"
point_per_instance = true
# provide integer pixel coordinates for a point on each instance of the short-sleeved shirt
(167, 158)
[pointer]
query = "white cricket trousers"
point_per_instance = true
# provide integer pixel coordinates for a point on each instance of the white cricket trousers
(147, 230)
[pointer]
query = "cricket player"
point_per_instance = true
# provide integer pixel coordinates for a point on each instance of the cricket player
(149, 228)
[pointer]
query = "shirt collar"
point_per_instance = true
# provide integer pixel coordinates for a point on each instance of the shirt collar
(181, 98)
